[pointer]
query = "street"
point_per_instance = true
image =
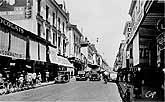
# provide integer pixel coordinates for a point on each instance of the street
(78, 91)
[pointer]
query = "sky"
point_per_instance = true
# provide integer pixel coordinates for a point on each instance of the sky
(103, 19)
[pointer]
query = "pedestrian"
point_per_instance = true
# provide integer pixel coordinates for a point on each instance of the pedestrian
(21, 80)
(34, 78)
(47, 76)
(1, 78)
(39, 77)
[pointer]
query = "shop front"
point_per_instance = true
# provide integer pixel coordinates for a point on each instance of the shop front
(42, 66)
(77, 63)
(53, 67)
(64, 63)
(12, 49)
(148, 78)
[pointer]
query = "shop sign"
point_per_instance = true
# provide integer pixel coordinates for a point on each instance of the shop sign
(11, 25)
(12, 54)
(16, 9)
(138, 20)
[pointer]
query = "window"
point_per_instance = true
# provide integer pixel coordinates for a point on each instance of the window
(39, 6)
(58, 23)
(47, 13)
(63, 27)
(48, 35)
(131, 55)
(39, 29)
(54, 38)
(63, 46)
(53, 19)
(59, 43)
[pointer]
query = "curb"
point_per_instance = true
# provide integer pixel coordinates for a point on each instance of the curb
(50, 83)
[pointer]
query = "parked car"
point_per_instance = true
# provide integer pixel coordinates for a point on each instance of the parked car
(112, 77)
(95, 77)
(63, 77)
(81, 76)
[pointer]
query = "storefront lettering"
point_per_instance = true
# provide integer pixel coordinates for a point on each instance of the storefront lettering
(12, 54)
(150, 94)
(11, 25)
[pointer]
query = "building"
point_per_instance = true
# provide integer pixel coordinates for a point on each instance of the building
(19, 53)
(46, 19)
(118, 65)
(74, 47)
(147, 47)
(105, 66)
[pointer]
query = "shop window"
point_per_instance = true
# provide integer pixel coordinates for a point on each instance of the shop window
(4, 38)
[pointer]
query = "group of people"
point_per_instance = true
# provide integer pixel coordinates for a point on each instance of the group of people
(21, 80)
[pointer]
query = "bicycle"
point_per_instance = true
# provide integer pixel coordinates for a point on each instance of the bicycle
(3, 88)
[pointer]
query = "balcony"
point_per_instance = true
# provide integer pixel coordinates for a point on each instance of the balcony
(84, 44)
(39, 17)
(47, 23)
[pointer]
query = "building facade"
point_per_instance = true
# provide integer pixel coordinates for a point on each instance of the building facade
(74, 47)
(21, 51)
(47, 20)
(146, 55)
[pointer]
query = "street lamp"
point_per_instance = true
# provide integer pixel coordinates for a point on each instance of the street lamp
(139, 69)
(164, 70)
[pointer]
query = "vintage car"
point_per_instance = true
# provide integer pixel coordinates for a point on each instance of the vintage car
(95, 77)
(112, 77)
(81, 76)
(63, 77)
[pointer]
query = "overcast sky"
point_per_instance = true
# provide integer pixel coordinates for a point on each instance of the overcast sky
(103, 19)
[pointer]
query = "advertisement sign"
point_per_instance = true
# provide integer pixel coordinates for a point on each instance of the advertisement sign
(16, 9)
(14, 27)
(136, 50)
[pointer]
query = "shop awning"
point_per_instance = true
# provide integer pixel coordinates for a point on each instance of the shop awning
(63, 61)
(93, 65)
(59, 60)
(53, 55)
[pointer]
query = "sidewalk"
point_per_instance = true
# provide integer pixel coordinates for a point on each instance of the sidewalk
(122, 89)
(50, 83)
(44, 84)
